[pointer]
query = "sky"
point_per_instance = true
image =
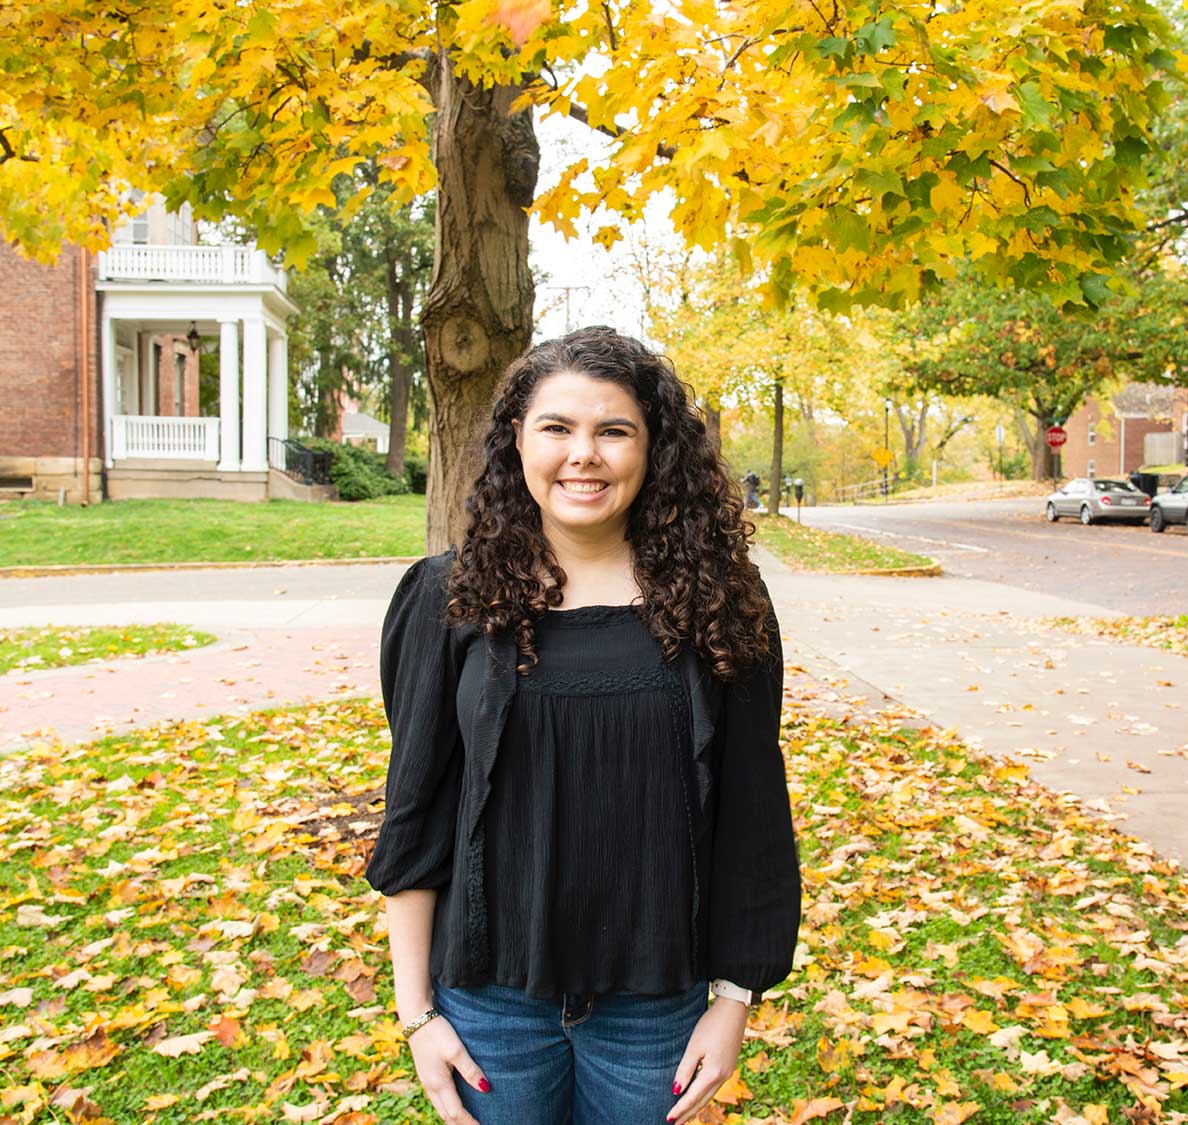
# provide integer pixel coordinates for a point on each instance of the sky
(598, 283)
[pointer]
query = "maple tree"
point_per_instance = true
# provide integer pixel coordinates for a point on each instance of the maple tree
(855, 149)
(1020, 348)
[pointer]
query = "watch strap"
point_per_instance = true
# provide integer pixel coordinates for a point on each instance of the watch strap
(732, 991)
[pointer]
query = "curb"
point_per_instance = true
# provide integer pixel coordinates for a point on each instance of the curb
(932, 570)
(67, 569)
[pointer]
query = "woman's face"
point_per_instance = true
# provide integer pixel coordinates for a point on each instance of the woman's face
(577, 434)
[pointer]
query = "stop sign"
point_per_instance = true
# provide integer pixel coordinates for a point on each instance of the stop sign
(1055, 436)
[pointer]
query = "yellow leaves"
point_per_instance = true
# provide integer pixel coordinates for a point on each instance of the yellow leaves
(607, 236)
(978, 1021)
(832, 1057)
(521, 18)
(733, 1091)
(815, 1109)
(948, 196)
(953, 1113)
(995, 95)
(95, 1050)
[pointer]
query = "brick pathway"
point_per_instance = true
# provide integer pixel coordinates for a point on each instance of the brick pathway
(244, 670)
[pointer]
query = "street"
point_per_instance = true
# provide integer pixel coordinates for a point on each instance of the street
(1121, 567)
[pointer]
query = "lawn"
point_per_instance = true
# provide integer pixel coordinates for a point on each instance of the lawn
(152, 531)
(26, 650)
(142, 531)
(185, 934)
(810, 548)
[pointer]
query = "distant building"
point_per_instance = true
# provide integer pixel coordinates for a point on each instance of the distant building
(99, 368)
(1144, 424)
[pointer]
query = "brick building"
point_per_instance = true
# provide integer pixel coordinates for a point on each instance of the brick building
(1144, 424)
(99, 366)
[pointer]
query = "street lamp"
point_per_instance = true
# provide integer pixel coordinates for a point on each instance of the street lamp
(194, 339)
(886, 443)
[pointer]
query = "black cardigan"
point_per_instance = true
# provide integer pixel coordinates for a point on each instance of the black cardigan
(439, 779)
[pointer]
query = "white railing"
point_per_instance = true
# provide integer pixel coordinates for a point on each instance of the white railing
(144, 435)
(852, 493)
(212, 265)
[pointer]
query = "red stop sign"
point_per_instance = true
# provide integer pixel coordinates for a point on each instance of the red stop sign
(1055, 436)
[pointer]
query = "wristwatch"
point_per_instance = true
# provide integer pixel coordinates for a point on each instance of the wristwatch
(731, 991)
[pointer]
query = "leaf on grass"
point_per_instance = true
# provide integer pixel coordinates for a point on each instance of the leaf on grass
(176, 1045)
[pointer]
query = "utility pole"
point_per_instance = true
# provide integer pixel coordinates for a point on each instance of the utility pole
(567, 289)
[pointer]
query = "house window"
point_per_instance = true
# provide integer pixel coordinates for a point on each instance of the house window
(1092, 433)
(1092, 468)
(140, 223)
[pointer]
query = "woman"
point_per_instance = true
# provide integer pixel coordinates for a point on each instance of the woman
(587, 822)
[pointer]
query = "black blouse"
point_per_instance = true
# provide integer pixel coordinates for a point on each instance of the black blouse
(459, 715)
(589, 859)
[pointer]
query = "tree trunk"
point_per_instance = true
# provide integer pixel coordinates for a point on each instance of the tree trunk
(478, 314)
(400, 349)
(1043, 460)
(713, 426)
(777, 453)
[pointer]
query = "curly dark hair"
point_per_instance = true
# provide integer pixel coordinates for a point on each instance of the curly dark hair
(687, 530)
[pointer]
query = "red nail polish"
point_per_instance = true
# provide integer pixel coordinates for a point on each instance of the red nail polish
(676, 1089)
(670, 1119)
(484, 1085)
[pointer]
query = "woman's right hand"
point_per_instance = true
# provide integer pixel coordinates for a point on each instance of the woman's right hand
(437, 1052)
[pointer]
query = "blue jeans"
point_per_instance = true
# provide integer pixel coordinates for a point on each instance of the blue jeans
(606, 1059)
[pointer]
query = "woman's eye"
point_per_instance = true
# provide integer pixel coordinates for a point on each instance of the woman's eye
(612, 430)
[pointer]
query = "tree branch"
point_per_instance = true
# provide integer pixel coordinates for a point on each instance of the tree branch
(580, 113)
(7, 152)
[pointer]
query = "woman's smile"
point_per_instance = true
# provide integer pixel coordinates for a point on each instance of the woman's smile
(583, 491)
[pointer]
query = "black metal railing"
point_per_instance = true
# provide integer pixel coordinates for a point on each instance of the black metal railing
(299, 462)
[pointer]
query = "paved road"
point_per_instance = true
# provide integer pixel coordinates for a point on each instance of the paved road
(1119, 567)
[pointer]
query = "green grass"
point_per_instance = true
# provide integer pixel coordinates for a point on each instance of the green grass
(206, 877)
(25, 650)
(39, 533)
(810, 548)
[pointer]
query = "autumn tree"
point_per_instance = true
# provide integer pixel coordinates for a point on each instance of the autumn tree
(793, 362)
(854, 150)
(1020, 348)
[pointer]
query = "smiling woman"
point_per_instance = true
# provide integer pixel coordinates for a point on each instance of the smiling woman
(587, 826)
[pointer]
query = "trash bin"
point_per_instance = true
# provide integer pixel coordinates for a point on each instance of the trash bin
(1145, 482)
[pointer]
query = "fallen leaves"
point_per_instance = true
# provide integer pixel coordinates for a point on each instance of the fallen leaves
(186, 919)
(1168, 632)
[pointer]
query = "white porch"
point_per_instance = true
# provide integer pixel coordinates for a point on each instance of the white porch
(235, 301)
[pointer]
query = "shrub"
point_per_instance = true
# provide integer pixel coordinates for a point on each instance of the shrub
(357, 472)
(416, 471)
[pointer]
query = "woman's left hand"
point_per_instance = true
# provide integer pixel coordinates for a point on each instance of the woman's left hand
(715, 1044)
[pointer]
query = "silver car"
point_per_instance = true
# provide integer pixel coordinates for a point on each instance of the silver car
(1091, 501)
(1170, 507)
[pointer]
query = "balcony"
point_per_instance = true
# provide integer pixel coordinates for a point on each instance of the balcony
(202, 265)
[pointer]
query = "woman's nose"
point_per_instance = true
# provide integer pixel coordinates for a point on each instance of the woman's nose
(582, 449)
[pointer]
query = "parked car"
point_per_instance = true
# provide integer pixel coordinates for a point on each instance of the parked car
(1091, 500)
(1170, 507)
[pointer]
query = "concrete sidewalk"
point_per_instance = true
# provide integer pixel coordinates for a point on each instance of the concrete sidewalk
(1106, 722)
(1103, 721)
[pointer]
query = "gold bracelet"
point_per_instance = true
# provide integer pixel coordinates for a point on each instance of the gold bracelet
(420, 1021)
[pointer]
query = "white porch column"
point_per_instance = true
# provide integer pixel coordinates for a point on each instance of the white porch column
(278, 387)
(107, 360)
(255, 396)
(229, 396)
